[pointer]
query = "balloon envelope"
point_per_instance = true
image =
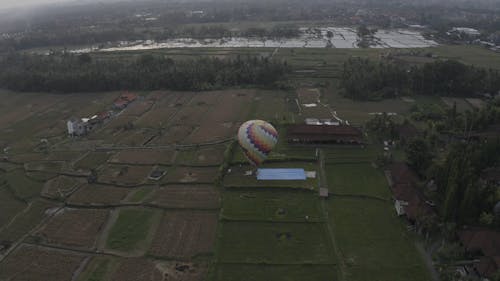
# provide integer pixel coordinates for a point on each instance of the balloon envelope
(257, 138)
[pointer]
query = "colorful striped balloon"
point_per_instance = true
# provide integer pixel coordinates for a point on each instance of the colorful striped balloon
(257, 138)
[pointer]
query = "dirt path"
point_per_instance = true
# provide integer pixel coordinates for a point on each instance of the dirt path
(329, 226)
(428, 261)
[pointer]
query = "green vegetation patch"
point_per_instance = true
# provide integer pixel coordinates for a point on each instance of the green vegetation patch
(27, 220)
(250, 272)
(92, 160)
(271, 205)
(21, 185)
(357, 179)
(9, 207)
(274, 243)
(139, 195)
(99, 269)
(374, 243)
(131, 229)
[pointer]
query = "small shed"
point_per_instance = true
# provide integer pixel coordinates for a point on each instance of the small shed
(323, 192)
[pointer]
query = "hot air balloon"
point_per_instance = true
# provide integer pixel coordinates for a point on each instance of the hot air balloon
(257, 138)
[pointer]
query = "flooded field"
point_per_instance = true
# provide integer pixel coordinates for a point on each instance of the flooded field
(324, 37)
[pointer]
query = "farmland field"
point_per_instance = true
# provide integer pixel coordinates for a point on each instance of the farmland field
(32, 263)
(195, 235)
(73, 228)
(204, 219)
(95, 194)
(131, 230)
(357, 179)
(186, 196)
(384, 248)
(274, 243)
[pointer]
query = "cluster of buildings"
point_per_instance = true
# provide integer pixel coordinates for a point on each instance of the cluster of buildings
(82, 126)
(409, 201)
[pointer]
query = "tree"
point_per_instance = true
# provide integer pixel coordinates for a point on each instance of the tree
(419, 155)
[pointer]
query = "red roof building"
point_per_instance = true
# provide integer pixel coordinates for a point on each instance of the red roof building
(409, 200)
(486, 244)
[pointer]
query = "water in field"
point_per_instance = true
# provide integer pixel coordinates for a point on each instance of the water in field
(323, 37)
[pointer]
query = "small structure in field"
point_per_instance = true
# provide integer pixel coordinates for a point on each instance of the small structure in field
(484, 245)
(324, 134)
(76, 127)
(124, 100)
(281, 174)
(157, 175)
(323, 192)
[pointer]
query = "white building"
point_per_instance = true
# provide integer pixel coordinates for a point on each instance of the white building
(76, 127)
(466, 30)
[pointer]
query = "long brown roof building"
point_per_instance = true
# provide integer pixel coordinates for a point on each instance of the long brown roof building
(342, 134)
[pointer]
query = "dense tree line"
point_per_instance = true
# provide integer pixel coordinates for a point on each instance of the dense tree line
(363, 79)
(80, 73)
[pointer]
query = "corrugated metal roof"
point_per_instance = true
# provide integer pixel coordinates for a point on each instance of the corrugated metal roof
(281, 174)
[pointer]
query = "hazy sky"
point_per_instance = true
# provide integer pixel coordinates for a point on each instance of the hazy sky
(21, 3)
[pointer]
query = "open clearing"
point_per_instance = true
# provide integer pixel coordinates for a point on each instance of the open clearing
(274, 243)
(271, 205)
(259, 272)
(74, 228)
(373, 241)
(35, 263)
(357, 179)
(131, 229)
(186, 196)
(97, 195)
(194, 234)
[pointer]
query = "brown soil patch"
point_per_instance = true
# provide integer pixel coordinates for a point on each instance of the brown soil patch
(74, 228)
(185, 196)
(144, 157)
(183, 234)
(34, 263)
(95, 194)
(124, 175)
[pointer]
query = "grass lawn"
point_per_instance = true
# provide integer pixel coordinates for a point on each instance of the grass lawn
(274, 243)
(20, 185)
(131, 229)
(374, 242)
(271, 205)
(249, 272)
(357, 179)
(351, 154)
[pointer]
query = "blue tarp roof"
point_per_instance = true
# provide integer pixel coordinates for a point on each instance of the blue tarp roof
(281, 174)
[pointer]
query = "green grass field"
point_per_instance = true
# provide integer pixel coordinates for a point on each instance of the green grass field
(131, 229)
(20, 185)
(271, 205)
(357, 179)
(374, 242)
(98, 269)
(274, 243)
(260, 272)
